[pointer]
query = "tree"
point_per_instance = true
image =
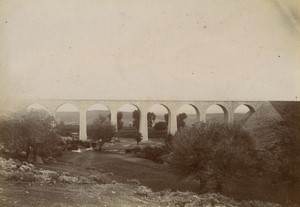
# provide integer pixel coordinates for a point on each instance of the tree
(211, 153)
(180, 120)
(136, 118)
(104, 130)
(138, 137)
(150, 119)
(30, 131)
(119, 120)
(166, 116)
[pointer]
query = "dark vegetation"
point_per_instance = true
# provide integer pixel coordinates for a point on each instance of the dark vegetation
(211, 153)
(32, 132)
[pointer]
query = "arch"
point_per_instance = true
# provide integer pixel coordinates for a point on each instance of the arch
(66, 107)
(242, 112)
(158, 120)
(213, 114)
(192, 112)
(96, 111)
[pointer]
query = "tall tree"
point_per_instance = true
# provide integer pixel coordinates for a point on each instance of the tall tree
(136, 118)
(150, 119)
(180, 120)
(119, 120)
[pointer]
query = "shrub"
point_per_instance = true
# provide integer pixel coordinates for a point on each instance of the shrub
(160, 125)
(211, 153)
(133, 150)
(154, 153)
(75, 144)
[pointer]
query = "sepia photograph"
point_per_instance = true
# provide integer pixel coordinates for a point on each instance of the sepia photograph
(161, 103)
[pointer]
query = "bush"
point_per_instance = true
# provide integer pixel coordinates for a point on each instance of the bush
(154, 153)
(160, 125)
(211, 153)
(75, 144)
(133, 150)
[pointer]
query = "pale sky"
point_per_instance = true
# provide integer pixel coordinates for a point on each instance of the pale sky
(158, 49)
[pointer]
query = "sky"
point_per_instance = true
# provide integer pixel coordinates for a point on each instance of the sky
(159, 49)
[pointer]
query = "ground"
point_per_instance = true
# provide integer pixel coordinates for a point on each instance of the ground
(127, 177)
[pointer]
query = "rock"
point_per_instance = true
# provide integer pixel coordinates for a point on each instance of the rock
(67, 179)
(133, 181)
(144, 191)
(24, 168)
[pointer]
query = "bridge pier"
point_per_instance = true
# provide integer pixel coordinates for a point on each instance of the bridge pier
(82, 125)
(172, 123)
(143, 129)
(230, 117)
(113, 117)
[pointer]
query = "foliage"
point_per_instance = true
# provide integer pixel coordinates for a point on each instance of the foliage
(288, 147)
(119, 120)
(283, 156)
(212, 153)
(75, 144)
(160, 125)
(30, 131)
(180, 120)
(104, 130)
(169, 141)
(136, 118)
(150, 119)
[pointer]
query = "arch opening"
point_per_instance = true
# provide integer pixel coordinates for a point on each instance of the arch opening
(158, 121)
(216, 114)
(96, 114)
(187, 116)
(128, 121)
(67, 120)
(242, 113)
(97, 111)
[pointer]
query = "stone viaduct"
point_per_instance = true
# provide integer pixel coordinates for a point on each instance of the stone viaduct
(143, 105)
